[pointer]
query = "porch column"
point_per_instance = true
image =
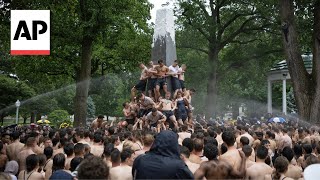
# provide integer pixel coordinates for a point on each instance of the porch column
(284, 96)
(269, 96)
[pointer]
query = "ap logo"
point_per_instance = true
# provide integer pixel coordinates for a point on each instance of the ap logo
(30, 32)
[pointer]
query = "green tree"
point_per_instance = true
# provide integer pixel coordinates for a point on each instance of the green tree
(88, 37)
(306, 86)
(58, 117)
(222, 23)
(11, 90)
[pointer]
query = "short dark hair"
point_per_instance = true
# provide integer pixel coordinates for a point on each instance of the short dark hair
(97, 137)
(210, 151)
(125, 154)
(187, 142)
(111, 130)
(68, 149)
(75, 163)
(184, 127)
(115, 155)
(58, 162)
(32, 162)
(154, 109)
(48, 151)
(15, 135)
(78, 148)
(307, 148)
(264, 142)
(185, 151)
(262, 152)
(108, 148)
(80, 132)
(223, 148)
(211, 132)
(229, 138)
(114, 138)
(244, 140)
(100, 116)
(247, 150)
(198, 144)
(210, 140)
(288, 153)
(160, 61)
(93, 168)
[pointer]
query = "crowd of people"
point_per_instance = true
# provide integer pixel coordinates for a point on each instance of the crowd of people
(159, 139)
(117, 151)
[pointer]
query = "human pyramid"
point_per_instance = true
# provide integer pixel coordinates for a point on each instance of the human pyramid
(155, 111)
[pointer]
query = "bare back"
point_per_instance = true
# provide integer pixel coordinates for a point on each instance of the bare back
(121, 173)
(22, 156)
(258, 171)
(232, 157)
(14, 149)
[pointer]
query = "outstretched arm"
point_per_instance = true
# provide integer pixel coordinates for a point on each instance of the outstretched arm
(240, 173)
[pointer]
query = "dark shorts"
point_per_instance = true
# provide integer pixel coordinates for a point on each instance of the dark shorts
(154, 125)
(152, 83)
(143, 112)
(181, 115)
(168, 114)
(161, 82)
(141, 86)
(175, 83)
(182, 84)
(130, 121)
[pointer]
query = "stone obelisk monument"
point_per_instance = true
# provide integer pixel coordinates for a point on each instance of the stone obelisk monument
(164, 45)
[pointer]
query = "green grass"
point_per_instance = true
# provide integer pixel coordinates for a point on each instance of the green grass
(9, 121)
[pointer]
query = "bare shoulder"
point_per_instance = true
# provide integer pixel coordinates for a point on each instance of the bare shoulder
(37, 175)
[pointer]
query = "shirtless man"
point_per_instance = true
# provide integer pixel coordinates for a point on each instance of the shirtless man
(128, 113)
(152, 71)
(270, 137)
(307, 137)
(124, 171)
(221, 169)
(182, 70)
(97, 147)
(162, 71)
(155, 119)
(184, 134)
(232, 155)
(146, 105)
(244, 132)
(294, 171)
(97, 123)
(166, 106)
(174, 73)
(141, 86)
(260, 168)
(28, 150)
(196, 154)
(147, 143)
(80, 136)
(15, 147)
(247, 150)
(184, 155)
(284, 140)
(188, 95)
(68, 150)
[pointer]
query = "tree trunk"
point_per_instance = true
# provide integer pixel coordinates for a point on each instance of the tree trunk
(315, 113)
(25, 120)
(212, 95)
(33, 116)
(302, 82)
(83, 83)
